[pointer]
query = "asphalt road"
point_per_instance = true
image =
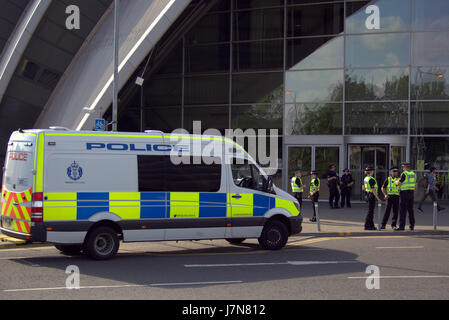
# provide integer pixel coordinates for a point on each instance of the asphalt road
(410, 267)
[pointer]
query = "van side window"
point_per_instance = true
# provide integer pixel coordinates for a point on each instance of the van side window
(159, 174)
(247, 175)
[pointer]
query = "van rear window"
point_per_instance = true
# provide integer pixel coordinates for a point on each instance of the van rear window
(158, 173)
(18, 175)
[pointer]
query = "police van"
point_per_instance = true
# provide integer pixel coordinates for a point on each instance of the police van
(87, 191)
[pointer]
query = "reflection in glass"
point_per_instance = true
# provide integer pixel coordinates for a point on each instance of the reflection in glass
(394, 16)
(257, 116)
(218, 58)
(173, 62)
(258, 88)
(165, 119)
(430, 48)
(397, 156)
(314, 86)
(430, 83)
(308, 119)
(163, 92)
(376, 118)
(211, 28)
(207, 89)
(315, 20)
(377, 84)
(259, 55)
(211, 117)
(259, 24)
(430, 16)
(378, 50)
(311, 53)
(430, 118)
(433, 151)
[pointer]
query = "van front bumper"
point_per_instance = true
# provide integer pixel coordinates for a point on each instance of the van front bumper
(295, 225)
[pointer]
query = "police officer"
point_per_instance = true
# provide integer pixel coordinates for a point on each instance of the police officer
(297, 186)
(391, 193)
(314, 192)
(333, 181)
(346, 183)
(371, 188)
(407, 186)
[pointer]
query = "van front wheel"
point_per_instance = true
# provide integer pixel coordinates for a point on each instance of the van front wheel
(274, 236)
(102, 243)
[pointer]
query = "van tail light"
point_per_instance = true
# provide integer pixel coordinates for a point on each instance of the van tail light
(37, 207)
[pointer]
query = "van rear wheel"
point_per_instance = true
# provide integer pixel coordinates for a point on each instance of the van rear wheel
(236, 241)
(102, 243)
(70, 250)
(274, 236)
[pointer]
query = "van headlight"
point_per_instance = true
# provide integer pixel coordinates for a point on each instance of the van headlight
(297, 206)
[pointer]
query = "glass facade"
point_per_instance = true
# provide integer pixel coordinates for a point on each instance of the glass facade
(309, 69)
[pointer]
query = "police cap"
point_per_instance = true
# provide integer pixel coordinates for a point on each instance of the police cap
(369, 169)
(313, 172)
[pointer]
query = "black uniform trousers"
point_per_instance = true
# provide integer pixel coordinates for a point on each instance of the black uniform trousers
(392, 203)
(369, 220)
(346, 197)
(334, 197)
(314, 199)
(407, 198)
(298, 196)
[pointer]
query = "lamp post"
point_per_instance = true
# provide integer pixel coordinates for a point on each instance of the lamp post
(116, 57)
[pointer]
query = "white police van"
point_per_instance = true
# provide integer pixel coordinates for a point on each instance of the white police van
(86, 191)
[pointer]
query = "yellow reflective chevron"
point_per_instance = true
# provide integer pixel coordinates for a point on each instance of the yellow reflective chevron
(184, 204)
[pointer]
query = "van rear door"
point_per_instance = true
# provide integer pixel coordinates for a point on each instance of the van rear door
(17, 186)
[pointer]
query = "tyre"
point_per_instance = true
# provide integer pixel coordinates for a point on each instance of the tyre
(102, 243)
(274, 236)
(70, 250)
(235, 241)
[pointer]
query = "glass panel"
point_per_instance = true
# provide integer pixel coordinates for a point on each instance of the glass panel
(245, 4)
(310, 1)
(397, 156)
(258, 88)
(430, 17)
(259, 24)
(165, 119)
(430, 49)
(430, 118)
(222, 5)
(173, 63)
(300, 158)
(378, 50)
(382, 169)
(217, 58)
(315, 20)
(212, 28)
(394, 16)
(207, 89)
(377, 84)
(376, 118)
(257, 116)
(210, 117)
(355, 167)
(430, 83)
(311, 86)
(308, 119)
(430, 151)
(259, 55)
(324, 157)
(163, 92)
(311, 53)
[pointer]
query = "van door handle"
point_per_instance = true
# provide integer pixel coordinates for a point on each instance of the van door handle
(237, 196)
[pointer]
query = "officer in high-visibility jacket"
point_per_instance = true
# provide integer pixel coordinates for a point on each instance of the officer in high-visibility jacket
(391, 193)
(371, 188)
(407, 186)
(297, 186)
(314, 192)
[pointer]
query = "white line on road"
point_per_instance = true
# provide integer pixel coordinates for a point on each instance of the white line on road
(404, 247)
(400, 277)
(294, 263)
(128, 286)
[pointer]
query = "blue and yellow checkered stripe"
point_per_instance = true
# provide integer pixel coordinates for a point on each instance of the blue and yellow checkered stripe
(158, 205)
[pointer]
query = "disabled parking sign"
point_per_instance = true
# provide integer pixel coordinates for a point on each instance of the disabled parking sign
(100, 124)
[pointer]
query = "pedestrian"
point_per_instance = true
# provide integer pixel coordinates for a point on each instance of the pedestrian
(440, 185)
(371, 188)
(431, 188)
(314, 192)
(407, 186)
(391, 193)
(297, 186)
(333, 181)
(346, 183)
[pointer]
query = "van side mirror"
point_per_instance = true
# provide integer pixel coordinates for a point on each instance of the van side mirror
(269, 186)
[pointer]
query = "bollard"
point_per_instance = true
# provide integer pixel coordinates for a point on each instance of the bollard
(317, 217)
(379, 214)
(435, 217)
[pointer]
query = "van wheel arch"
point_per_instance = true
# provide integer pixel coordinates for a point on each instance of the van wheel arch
(107, 223)
(283, 219)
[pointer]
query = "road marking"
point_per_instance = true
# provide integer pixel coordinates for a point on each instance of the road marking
(293, 263)
(128, 286)
(405, 247)
(28, 249)
(400, 277)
